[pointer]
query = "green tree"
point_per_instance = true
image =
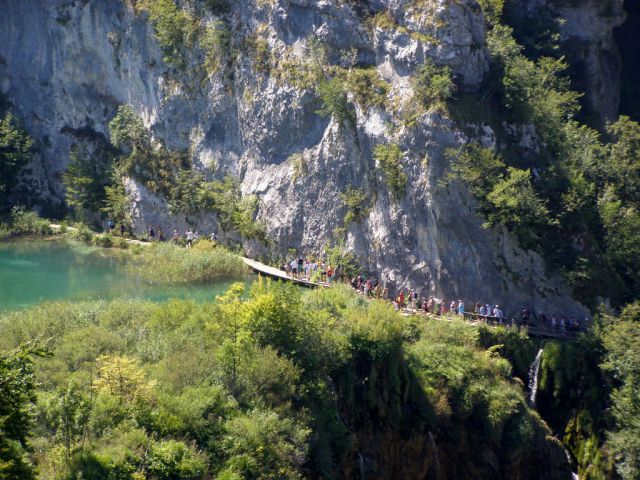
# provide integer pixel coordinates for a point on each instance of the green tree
(15, 152)
(623, 166)
(68, 415)
(357, 202)
(388, 157)
(622, 342)
(85, 181)
(481, 168)
(117, 204)
(128, 132)
(333, 94)
(123, 377)
(516, 205)
(174, 28)
(262, 444)
(17, 396)
(433, 84)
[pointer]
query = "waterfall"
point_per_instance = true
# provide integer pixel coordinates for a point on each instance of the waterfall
(361, 464)
(533, 378)
(434, 447)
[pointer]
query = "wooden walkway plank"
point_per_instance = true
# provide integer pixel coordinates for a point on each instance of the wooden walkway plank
(278, 274)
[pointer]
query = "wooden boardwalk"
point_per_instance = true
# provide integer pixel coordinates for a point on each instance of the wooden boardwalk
(278, 274)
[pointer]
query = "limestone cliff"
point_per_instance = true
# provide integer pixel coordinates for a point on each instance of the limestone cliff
(67, 65)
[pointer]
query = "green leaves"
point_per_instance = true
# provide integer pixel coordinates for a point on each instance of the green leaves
(357, 202)
(17, 395)
(15, 152)
(622, 341)
(333, 95)
(433, 84)
(506, 195)
(128, 132)
(388, 158)
(515, 204)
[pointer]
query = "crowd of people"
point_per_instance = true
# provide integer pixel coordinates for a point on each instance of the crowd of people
(321, 271)
(412, 302)
(188, 238)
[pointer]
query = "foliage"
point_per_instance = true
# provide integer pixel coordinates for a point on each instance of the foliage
(333, 95)
(492, 10)
(262, 445)
(357, 203)
(85, 180)
(16, 147)
(128, 132)
(388, 157)
(258, 49)
(267, 383)
(433, 84)
(368, 88)
(234, 211)
(622, 362)
(24, 223)
(175, 29)
(168, 263)
(216, 42)
(17, 394)
(512, 344)
(515, 204)
(117, 205)
(338, 256)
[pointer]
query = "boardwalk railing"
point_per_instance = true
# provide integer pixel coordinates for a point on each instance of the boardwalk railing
(534, 329)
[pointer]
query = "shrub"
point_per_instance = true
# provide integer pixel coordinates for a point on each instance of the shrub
(368, 88)
(333, 95)
(515, 204)
(24, 223)
(261, 444)
(175, 29)
(357, 203)
(388, 158)
(433, 84)
(216, 42)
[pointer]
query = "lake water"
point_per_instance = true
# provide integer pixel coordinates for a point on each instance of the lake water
(35, 271)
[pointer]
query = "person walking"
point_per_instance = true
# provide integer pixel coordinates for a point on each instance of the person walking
(189, 235)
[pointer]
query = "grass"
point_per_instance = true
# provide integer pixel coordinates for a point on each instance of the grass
(168, 263)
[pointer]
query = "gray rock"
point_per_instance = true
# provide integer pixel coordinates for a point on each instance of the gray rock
(68, 65)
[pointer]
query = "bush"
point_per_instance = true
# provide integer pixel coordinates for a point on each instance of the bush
(357, 203)
(368, 88)
(388, 158)
(24, 223)
(333, 95)
(216, 43)
(175, 29)
(261, 444)
(433, 84)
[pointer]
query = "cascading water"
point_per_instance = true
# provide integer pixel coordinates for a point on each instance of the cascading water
(533, 378)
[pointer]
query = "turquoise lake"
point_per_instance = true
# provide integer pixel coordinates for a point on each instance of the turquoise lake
(36, 271)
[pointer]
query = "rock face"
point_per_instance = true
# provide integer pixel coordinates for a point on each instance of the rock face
(586, 33)
(67, 65)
